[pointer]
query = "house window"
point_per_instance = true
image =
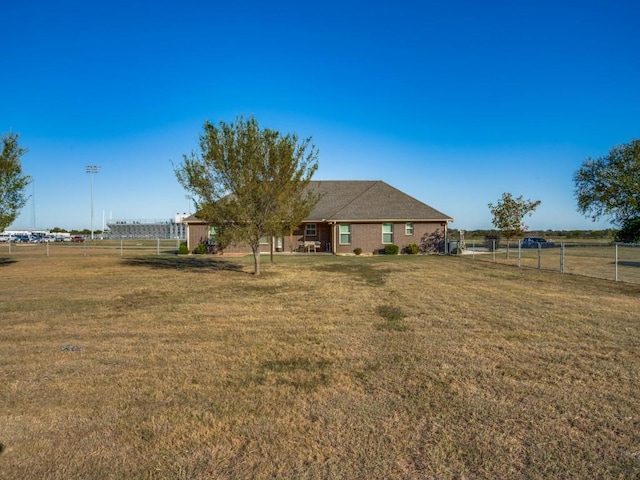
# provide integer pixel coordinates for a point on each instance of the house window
(213, 239)
(408, 228)
(345, 233)
(387, 233)
(264, 241)
(310, 230)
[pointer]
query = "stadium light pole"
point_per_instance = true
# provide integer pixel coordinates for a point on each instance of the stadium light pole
(92, 170)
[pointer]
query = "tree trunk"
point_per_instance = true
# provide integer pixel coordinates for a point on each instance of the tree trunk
(256, 258)
(271, 248)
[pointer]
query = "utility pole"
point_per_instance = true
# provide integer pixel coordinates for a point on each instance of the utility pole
(92, 170)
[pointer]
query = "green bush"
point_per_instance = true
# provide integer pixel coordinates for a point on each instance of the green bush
(391, 249)
(357, 251)
(183, 249)
(412, 249)
(200, 249)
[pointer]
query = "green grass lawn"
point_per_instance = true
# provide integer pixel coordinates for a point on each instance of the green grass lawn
(322, 367)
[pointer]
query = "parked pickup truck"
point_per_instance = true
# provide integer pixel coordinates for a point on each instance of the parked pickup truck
(536, 242)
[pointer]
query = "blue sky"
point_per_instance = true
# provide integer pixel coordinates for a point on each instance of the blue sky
(452, 102)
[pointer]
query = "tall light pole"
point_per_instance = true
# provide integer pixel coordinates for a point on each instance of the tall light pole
(92, 170)
(190, 198)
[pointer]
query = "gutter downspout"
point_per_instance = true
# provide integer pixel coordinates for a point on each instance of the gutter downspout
(333, 237)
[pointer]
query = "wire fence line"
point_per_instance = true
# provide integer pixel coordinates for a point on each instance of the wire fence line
(616, 261)
(92, 248)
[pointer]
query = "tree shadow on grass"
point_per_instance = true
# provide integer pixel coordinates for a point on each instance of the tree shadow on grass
(183, 263)
(367, 273)
(6, 261)
(627, 264)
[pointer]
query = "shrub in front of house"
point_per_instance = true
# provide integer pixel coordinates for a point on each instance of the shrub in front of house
(183, 249)
(200, 249)
(357, 251)
(432, 242)
(391, 249)
(412, 249)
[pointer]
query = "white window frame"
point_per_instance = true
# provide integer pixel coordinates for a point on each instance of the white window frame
(308, 230)
(408, 229)
(347, 233)
(212, 233)
(387, 224)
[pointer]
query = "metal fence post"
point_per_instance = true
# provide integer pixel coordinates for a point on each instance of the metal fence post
(539, 256)
(519, 253)
(158, 246)
(616, 262)
(561, 257)
(494, 250)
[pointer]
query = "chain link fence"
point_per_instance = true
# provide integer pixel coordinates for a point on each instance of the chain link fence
(96, 247)
(616, 261)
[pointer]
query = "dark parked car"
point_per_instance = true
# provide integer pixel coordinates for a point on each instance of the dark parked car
(77, 238)
(536, 242)
(21, 239)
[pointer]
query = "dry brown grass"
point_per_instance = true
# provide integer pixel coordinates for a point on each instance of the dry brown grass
(323, 367)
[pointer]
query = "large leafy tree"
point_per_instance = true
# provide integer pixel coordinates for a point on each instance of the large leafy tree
(12, 181)
(630, 231)
(248, 181)
(609, 186)
(508, 214)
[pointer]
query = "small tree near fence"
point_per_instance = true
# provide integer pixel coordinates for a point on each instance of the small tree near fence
(508, 213)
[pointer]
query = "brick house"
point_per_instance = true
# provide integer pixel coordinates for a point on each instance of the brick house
(366, 214)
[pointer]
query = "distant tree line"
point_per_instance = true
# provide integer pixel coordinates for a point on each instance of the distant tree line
(607, 234)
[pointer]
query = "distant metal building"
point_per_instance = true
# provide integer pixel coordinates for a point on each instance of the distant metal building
(147, 229)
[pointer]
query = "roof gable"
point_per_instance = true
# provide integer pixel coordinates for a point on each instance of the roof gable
(354, 200)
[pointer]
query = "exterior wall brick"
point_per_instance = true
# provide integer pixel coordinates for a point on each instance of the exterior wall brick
(367, 236)
(196, 233)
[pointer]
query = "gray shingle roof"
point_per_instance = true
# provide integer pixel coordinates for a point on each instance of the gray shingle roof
(355, 200)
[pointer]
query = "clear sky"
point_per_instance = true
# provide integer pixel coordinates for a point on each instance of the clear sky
(453, 102)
